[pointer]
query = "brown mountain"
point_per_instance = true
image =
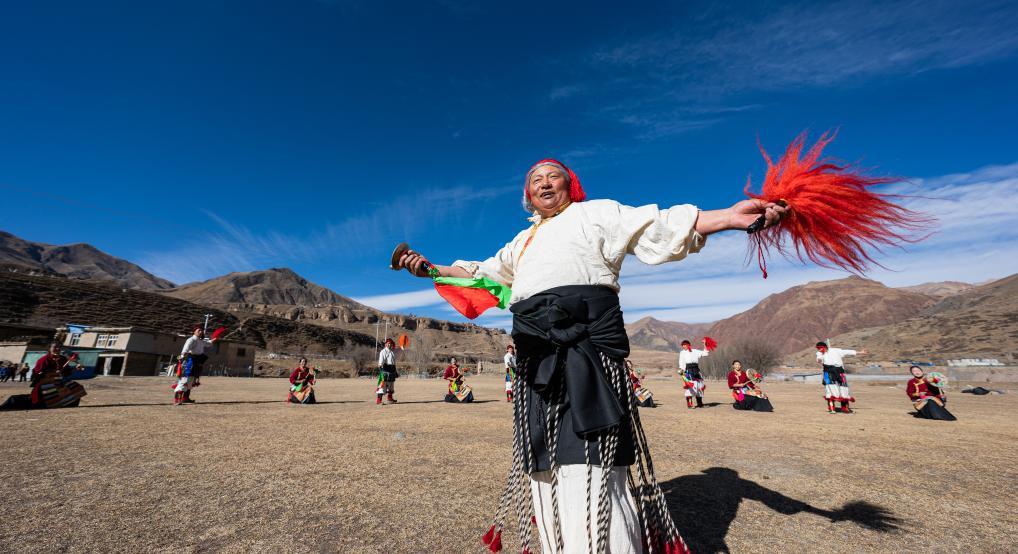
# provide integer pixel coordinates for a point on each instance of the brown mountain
(278, 286)
(799, 316)
(654, 334)
(285, 294)
(47, 300)
(979, 323)
(77, 261)
(941, 289)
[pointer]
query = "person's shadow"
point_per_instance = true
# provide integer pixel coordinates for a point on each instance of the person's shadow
(704, 507)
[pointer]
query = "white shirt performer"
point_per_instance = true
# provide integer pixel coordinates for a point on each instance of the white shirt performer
(689, 370)
(576, 429)
(387, 373)
(835, 382)
(192, 358)
(510, 371)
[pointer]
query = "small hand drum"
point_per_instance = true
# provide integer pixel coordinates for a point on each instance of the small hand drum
(398, 252)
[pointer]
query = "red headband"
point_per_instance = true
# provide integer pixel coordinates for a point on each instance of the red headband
(576, 193)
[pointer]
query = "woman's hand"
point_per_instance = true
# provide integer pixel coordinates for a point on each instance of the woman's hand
(744, 213)
(415, 263)
(739, 217)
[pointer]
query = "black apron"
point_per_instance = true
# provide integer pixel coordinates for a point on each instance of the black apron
(561, 334)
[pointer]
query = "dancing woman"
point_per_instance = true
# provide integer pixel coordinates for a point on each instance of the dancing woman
(192, 359)
(577, 430)
(927, 398)
(302, 383)
(689, 371)
(387, 373)
(510, 371)
(835, 382)
(745, 392)
(644, 398)
(51, 384)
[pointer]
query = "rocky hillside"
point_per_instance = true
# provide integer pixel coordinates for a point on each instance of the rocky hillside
(76, 261)
(654, 334)
(942, 289)
(798, 317)
(52, 301)
(979, 323)
(284, 294)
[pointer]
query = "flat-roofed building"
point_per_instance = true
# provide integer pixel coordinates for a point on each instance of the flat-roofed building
(140, 351)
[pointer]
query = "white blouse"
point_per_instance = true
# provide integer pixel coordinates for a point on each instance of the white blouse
(586, 245)
(691, 357)
(834, 356)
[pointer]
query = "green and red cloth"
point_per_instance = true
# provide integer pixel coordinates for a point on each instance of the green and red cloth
(471, 296)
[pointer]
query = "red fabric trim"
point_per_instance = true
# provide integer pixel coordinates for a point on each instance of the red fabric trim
(469, 301)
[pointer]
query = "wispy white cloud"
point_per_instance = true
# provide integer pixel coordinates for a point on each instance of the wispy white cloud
(665, 77)
(402, 301)
(975, 240)
(233, 247)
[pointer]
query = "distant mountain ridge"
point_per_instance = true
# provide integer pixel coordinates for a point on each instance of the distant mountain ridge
(276, 286)
(654, 334)
(75, 261)
(796, 318)
(940, 289)
(981, 322)
(280, 292)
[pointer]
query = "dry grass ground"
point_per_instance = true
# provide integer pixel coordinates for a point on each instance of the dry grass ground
(242, 471)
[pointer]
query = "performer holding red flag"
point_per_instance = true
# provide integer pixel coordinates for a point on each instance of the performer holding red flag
(577, 428)
(192, 359)
(689, 371)
(387, 373)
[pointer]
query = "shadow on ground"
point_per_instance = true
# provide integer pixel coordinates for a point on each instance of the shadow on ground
(705, 505)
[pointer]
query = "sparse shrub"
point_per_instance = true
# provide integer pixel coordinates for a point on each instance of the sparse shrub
(754, 354)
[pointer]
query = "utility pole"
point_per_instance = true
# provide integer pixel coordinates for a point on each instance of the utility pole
(386, 329)
(377, 323)
(205, 329)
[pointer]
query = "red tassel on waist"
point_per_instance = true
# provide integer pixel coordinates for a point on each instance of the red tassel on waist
(834, 217)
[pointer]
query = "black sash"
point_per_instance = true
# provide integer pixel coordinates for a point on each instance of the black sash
(836, 374)
(562, 333)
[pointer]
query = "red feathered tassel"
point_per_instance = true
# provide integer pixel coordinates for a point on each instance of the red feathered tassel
(710, 344)
(496, 544)
(218, 333)
(489, 536)
(833, 216)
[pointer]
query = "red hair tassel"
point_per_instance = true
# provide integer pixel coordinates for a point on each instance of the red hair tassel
(489, 536)
(833, 217)
(496, 544)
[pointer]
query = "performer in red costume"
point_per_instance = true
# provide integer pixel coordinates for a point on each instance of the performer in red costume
(577, 430)
(302, 383)
(51, 384)
(928, 399)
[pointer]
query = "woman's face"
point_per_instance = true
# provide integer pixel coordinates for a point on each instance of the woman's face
(549, 189)
(303, 362)
(737, 366)
(916, 372)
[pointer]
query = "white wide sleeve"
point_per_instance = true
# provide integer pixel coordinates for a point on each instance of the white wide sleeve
(499, 268)
(655, 236)
(845, 352)
(188, 345)
(381, 358)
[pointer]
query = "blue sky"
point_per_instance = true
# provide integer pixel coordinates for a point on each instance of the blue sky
(199, 138)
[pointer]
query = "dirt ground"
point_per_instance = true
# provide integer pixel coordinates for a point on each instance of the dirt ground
(242, 471)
